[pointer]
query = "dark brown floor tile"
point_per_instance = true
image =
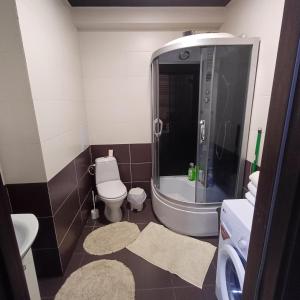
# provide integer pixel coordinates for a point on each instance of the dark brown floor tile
(121, 152)
(61, 185)
(30, 198)
(155, 294)
(213, 240)
(50, 286)
(140, 153)
(189, 293)
(146, 275)
(89, 222)
(145, 216)
(209, 280)
(85, 232)
(74, 264)
(141, 172)
(210, 293)
(194, 293)
(82, 162)
(141, 226)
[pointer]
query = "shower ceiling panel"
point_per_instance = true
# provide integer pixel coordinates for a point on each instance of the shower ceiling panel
(149, 3)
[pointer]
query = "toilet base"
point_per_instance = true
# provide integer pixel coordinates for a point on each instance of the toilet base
(113, 215)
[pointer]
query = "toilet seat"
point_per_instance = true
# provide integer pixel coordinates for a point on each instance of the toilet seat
(111, 190)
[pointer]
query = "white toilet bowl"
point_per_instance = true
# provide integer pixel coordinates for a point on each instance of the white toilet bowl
(110, 188)
(112, 193)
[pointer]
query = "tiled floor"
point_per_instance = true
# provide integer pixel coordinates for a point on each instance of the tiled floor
(152, 283)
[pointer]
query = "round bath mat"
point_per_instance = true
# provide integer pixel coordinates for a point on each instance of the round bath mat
(103, 279)
(111, 238)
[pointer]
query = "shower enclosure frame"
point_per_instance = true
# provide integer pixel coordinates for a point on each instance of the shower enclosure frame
(198, 219)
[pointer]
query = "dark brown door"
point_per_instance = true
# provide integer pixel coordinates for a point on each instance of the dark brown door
(272, 271)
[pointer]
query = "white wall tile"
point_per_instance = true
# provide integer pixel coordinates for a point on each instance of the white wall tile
(261, 19)
(14, 85)
(20, 151)
(17, 123)
(22, 163)
(116, 70)
(61, 150)
(52, 53)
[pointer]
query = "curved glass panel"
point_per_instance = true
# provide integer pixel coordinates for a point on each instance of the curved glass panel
(199, 103)
(232, 281)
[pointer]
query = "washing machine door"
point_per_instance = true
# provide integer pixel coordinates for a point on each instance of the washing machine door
(232, 273)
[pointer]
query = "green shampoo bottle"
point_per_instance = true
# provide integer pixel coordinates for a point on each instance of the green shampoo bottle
(192, 172)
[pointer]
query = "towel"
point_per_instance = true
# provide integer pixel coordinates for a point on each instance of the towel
(254, 177)
(252, 188)
(250, 198)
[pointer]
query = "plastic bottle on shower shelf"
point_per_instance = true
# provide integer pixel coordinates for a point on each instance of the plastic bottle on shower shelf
(192, 172)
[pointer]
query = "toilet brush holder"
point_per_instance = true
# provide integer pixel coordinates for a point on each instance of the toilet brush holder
(95, 213)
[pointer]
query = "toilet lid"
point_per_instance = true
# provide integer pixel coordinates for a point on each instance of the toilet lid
(111, 189)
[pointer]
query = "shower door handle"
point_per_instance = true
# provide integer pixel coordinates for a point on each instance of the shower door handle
(160, 127)
(202, 131)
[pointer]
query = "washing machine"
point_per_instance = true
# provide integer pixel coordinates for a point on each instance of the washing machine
(235, 229)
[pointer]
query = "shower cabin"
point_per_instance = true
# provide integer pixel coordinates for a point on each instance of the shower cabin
(202, 91)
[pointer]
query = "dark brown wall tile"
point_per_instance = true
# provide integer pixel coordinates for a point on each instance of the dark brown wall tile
(121, 152)
(141, 172)
(61, 185)
(84, 186)
(46, 237)
(86, 208)
(64, 217)
(47, 262)
(82, 162)
(125, 173)
(144, 185)
(128, 185)
(140, 153)
(30, 198)
(68, 245)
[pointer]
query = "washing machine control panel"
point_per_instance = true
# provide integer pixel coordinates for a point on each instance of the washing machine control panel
(236, 218)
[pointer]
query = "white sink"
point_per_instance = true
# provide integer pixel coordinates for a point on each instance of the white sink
(26, 227)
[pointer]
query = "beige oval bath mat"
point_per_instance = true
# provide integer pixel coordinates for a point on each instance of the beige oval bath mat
(103, 279)
(111, 238)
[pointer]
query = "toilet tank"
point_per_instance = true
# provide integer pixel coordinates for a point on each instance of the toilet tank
(106, 169)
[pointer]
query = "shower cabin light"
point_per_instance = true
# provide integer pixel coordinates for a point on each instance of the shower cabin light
(184, 55)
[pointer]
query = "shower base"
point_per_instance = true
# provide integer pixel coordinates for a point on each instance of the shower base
(184, 215)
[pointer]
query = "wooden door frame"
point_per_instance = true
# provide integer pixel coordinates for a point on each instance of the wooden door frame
(279, 178)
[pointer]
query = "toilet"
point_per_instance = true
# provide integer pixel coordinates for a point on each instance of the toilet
(110, 188)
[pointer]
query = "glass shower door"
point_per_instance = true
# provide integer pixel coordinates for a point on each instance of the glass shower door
(156, 130)
(222, 104)
(205, 122)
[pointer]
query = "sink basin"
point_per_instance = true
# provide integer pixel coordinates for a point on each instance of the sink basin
(26, 227)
